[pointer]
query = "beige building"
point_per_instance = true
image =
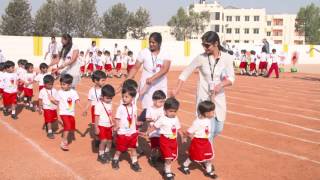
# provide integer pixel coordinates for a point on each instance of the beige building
(238, 25)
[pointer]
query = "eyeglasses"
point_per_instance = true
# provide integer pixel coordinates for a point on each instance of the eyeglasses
(206, 45)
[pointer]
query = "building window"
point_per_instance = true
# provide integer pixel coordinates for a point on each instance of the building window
(256, 18)
(268, 33)
(229, 18)
(229, 30)
(298, 42)
(217, 16)
(278, 22)
(246, 31)
(277, 41)
(247, 18)
(237, 30)
(216, 28)
(236, 41)
(246, 41)
(277, 32)
(256, 31)
(268, 23)
(228, 41)
(237, 18)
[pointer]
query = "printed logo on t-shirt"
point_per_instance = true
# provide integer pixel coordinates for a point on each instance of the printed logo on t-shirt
(206, 131)
(70, 104)
(174, 132)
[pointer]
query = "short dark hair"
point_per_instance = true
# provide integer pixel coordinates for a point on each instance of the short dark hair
(81, 52)
(28, 65)
(107, 52)
(48, 79)
(130, 83)
(130, 90)
(159, 94)
(171, 103)
(43, 66)
(274, 50)
(97, 75)
(66, 78)
(130, 53)
(252, 52)
(205, 106)
(243, 51)
(2, 66)
(108, 91)
(9, 64)
(20, 61)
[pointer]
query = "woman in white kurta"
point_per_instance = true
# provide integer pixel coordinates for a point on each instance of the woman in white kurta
(156, 63)
(216, 72)
(68, 59)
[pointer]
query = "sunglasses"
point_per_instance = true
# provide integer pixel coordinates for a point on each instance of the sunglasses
(206, 45)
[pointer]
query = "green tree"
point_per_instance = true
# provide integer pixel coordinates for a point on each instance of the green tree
(88, 21)
(17, 19)
(308, 21)
(45, 19)
(138, 22)
(116, 21)
(67, 17)
(184, 25)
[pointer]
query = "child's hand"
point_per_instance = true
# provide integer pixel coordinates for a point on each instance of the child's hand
(40, 111)
(51, 98)
(184, 140)
(97, 131)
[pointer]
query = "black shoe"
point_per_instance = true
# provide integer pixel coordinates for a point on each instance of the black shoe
(32, 109)
(115, 164)
(185, 170)
(96, 143)
(136, 167)
(139, 151)
(211, 175)
(50, 135)
(108, 157)
(169, 176)
(14, 116)
(102, 158)
(6, 112)
(153, 160)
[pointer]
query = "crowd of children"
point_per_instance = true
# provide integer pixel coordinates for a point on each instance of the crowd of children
(254, 64)
(119, 128)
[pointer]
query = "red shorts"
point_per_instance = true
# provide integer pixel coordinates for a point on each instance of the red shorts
(82, 68)
(124, 142)
(243, 65)
(118, 67)
(1, 91)
(98, 67)
(108, 67)
(69, 123)
(105, 133)
(28, 92)
(155, 142)
(90, 67)
(168, 148)
(93, 116)
(9, 99)
(129, 67)
(263, 65)
(252, 66)
(20, 87)
(200, 150)
(50, 116)
(40, 87)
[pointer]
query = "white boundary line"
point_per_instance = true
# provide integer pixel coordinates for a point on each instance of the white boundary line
(40, 150)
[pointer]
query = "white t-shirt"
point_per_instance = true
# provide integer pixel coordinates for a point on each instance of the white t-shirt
(98, 61)
(39, 78)
(152, 65)
(168, 126)
(93, 49)
(29, 78)
(44, 96)
(243, 58)
(21, 72)
(154, 114)
(122, 116)
(10, 81)
(201, 128)
(94, 95)
(1, 80)
(108, 60)
(263, 57)
(274, 58)
(82, 60)
(91, 60)
(253, 58)
(67, 101)
(53, 48)
(119, 59)
(131, 60)
(101, 110)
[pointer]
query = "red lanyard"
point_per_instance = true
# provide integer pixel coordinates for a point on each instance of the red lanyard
(129, 116)
(95, 92)
(106, 112)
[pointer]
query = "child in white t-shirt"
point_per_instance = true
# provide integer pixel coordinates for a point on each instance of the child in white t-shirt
(43, 72)
(46, 107)
(108, 64)
(104, 123)
(125, 125)
(2, 74)
(152, 115)
(83, 63)
(29, 79)
(10, 90)
(66, 100)
(200, 149)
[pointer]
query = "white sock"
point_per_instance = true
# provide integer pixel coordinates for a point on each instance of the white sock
(167, 168)
(116, 157)
(31, 105)
(13, 111)
(49, 130)
(134, 159)
(107, 150)
(187, 163)
(208, 167)
(101, 152)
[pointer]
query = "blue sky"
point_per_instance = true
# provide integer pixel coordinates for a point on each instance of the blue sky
(162, 10)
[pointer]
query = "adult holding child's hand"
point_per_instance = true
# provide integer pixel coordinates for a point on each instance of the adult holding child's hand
(215, 73)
